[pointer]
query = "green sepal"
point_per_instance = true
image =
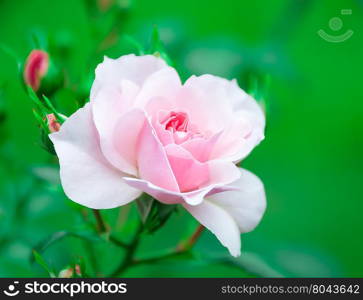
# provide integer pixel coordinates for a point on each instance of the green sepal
(153, 213)
(46, 143)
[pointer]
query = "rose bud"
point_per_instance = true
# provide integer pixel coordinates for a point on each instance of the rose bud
(36, 66)
(66, 273)
(53, 125)
(69, 272)
(78, 270)
(40, 72)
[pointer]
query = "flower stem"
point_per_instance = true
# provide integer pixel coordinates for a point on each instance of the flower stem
(182, 248)
(117, 242)
(191, 241)
(130, 252)
(101, 226)
(129, 259)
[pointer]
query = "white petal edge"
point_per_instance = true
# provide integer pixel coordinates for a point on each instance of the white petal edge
(87, 178)
(241, 106)
(227, 214)
(220, 223)
(127, 67)
(169, 197)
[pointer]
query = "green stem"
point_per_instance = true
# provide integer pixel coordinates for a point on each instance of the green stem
(102, 228)
(129, 255)
(129, 259)
(117, 242)
(192, 240)
(155, 259)
(181, 249)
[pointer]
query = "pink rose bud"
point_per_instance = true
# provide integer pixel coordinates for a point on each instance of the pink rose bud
(36, 66)
(53, 125)
(104, 5)
(78, 270)
(66, 273)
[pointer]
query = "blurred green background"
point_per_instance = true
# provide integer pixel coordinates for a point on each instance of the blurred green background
(310, 162)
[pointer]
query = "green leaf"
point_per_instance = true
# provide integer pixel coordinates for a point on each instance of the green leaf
(253, 264)
(41, 121)
(41, 261)
(157, 47)
(13, 55)
(135, 44)
(47, 173)
(60, 235)
(258, 87)
(38, 103)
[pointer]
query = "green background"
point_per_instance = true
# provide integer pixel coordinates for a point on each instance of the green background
(310, 162)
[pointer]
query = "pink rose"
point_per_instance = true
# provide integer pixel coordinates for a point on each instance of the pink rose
(145, 131)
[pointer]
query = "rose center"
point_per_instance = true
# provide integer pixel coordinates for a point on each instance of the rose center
(177, 121)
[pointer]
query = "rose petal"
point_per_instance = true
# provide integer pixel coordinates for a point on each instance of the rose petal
(207, 101)
(109, 106)
(165, 136)
(235, 111)
(159, 104)
(168, 197)
(230, 213)
(161, 194)
(125, 138)
(128, 67)
(236, 141)
(189, 173)
(202, 111)
(220, 174)
(87, 178)
(153, 164)
(192, 174)
(247, 205)
(119, 85)
(161, 85)
(201, 148)
(220, 223)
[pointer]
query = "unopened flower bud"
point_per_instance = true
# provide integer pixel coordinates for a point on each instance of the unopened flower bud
(66, 273)
(69, 272)
(36, 66)
(53, 125)
(78, 270)
(41, 73)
